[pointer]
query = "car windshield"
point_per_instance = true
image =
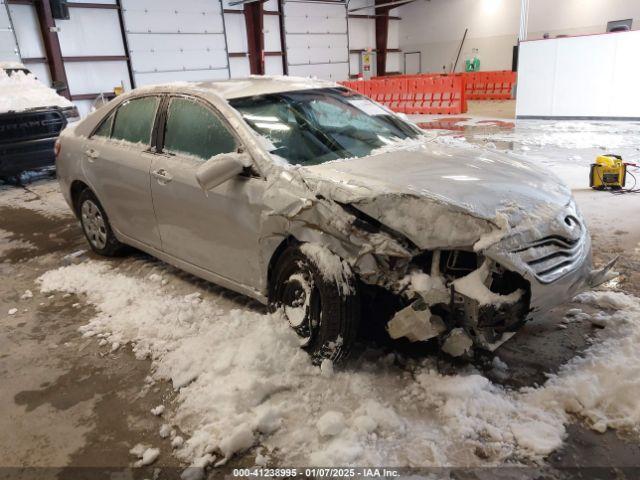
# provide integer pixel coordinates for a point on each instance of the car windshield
(310, 127)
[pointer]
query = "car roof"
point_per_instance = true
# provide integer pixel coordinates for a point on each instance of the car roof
(243, 87)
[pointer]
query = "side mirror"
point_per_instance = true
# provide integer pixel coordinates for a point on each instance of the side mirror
(218, 170)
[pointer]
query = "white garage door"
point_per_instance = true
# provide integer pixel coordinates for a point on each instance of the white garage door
(8, 45)
(316, 38)
(172, 41)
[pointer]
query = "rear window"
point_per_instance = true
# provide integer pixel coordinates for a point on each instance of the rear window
(134, 120)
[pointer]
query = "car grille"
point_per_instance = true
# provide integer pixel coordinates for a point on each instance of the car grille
(552, 257)
(31, 125)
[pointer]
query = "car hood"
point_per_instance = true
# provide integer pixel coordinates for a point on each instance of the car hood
(463, 193)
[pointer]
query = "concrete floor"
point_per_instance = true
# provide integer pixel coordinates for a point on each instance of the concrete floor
(69, 407)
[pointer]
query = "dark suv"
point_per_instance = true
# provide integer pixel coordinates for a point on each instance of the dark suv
(31, 118)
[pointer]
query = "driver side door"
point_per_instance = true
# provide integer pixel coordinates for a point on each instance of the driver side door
(215, 230)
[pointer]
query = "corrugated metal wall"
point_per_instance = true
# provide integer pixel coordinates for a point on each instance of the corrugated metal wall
(8, 46)
(317, 39)
(172, 41)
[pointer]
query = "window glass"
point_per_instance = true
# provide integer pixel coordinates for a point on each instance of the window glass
(314, 126)
(195, 130)
(104, 130)
(134, 120)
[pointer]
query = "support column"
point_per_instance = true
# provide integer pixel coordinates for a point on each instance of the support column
(52, 45)
(254, 21)
(382, 34)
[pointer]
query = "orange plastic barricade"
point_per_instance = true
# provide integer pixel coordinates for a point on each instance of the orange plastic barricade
(416, 94)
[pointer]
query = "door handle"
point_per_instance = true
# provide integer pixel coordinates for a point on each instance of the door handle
(92, 154)
(162, 176)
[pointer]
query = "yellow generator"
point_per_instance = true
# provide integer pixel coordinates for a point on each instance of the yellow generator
(608, 172)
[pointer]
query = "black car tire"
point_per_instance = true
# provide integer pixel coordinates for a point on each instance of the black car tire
(331, 316)
(96, 227)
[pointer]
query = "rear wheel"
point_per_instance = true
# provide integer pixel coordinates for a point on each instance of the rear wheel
(96, 227)
(324, 314)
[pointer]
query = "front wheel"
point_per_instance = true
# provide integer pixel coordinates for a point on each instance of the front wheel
(323, 310)
(96, 227)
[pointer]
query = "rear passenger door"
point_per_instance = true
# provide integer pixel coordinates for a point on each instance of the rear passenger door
(215, 230)
(117, 163)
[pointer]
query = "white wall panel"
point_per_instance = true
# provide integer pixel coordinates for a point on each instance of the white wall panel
(362, 33)
(96, 77)
(239, 67)
(271, 5)
(273, 65)
(78, 34)
(236, 32)
(271, 29)
(183, 39)
(327, 71)
(27, 28)
(8, 45)
(166, 52)
(41, 71)
(316, 39)
(394, 62)
(588, 76)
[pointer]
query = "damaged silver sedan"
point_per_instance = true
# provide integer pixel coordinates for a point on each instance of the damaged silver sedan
(316, 200)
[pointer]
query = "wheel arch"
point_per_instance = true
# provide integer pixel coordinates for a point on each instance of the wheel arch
(287, 242)
(76, 189)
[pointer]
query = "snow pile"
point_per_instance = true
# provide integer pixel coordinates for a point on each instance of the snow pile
(22, 91)
(242, 381)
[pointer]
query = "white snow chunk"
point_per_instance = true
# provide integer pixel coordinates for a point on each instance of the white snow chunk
(138, 450)
(149, 456)
(165, 430)
(331, 266)
(195, 471)
(240, 439)
(157, 411)
(365, 423)
(539, 437)
(331, 424)
(12, 311)
(177, 441)
(26, 295)
(326, 368)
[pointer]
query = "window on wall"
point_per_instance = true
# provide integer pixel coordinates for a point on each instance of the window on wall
(194, 129)
(134, 120)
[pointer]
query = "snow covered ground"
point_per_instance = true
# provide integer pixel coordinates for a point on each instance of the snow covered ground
(241, 381)
(566, 147)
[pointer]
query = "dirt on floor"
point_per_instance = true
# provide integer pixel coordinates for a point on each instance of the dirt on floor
(73, 410)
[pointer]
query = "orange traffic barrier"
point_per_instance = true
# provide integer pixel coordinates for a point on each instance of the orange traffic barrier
(416, 94)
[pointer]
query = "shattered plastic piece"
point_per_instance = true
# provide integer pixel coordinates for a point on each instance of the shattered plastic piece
(457, 343)
(416, 323)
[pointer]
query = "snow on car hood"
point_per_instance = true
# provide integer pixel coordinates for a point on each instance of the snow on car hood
(22, 91)
(441, 195)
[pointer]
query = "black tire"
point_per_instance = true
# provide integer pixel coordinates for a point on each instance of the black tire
(96, 227)
(331, 317)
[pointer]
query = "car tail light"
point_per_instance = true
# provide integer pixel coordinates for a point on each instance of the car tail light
(56, 148)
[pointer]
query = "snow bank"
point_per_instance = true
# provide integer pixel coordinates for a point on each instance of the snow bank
(22, 91)
(243, 381)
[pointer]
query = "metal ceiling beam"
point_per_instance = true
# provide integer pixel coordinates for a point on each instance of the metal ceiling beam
(395, 3)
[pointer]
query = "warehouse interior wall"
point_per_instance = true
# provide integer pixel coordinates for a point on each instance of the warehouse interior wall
(435, 27)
